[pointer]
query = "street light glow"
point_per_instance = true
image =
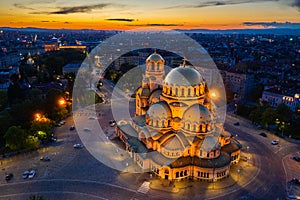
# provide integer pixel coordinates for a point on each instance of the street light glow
(62, 101)
(213, 94)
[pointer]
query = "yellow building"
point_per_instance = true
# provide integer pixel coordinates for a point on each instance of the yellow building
(175, 133)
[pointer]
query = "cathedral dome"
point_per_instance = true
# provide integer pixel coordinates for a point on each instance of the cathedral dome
(155, 57)
(197, 114)
(183, 76)
(159, 110)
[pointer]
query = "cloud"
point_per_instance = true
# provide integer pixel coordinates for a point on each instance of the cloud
(46, 21)
(21, 6)
(296, 4)
(274, 24)
(155, 25)
(78, 9)
(121, 19)
(218, 3)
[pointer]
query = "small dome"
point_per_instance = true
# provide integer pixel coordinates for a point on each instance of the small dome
(145, 92)
(159, 110)
(183, 76)
(155, 57)
(197, 114)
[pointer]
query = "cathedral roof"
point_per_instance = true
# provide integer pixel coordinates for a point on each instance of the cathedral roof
(155, 57)
(159, 110)
(183, 76)
(197, 114)
(221, 161)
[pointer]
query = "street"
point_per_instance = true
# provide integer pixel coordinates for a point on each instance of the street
(76, 174)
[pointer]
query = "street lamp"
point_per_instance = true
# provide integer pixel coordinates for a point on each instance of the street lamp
(62, 101)
(37, 116)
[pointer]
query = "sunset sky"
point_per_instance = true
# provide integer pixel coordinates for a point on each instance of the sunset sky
(129, 14)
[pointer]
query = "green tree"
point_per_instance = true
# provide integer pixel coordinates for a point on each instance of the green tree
(31, 142)
(3, 100)
(54, 110)
(284, 113)
(15, 137)
(255, 115)
(42, 128)
(268, 117)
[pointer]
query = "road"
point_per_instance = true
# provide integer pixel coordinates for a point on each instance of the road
(76, 174)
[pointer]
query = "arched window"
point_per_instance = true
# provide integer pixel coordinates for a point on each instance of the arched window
(176, 91)
(152, 67)
(189, 92)
(195, 91)
(182, 92)
(177, 174)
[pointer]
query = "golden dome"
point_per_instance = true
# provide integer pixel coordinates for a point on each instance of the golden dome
(197, 114)
(159, 110)
(155, 57)
(183, 76)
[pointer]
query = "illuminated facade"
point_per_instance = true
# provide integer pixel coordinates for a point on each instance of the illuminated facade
(174, 133)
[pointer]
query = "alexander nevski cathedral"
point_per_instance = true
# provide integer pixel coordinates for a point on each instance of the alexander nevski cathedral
(175, 133)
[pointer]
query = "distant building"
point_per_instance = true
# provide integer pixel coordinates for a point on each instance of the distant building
(241, 84)
(71, 68)
(275, 96)
(51, 47)
(5, 75)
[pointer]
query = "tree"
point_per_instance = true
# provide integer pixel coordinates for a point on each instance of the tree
(15, 137)
(3, 100)
(284, 113)
(268, 117)
(31, 142)
(255, 115)
(42, 128)
(53, 109)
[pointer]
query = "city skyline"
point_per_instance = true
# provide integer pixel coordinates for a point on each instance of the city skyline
(173, 14)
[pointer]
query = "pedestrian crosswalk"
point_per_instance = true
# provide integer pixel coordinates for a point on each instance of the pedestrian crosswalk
(144, 188)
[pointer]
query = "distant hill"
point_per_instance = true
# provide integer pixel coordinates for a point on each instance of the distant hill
(274, 31)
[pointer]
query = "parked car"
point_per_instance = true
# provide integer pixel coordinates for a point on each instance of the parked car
(236, 123)
(296, 158)
(25, 174)
(87, 129)
(52, 139)
(112, 122)
(9, 176)
(275, 142)
(263, 134)
(92, 117)
(62, 122)
(72, 128)
(45, 158)
(78, 146)
(31, 173)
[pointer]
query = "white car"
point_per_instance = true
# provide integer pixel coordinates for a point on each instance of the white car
(92, 117)
(275, 142)
(31, 173)
(87, 129)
